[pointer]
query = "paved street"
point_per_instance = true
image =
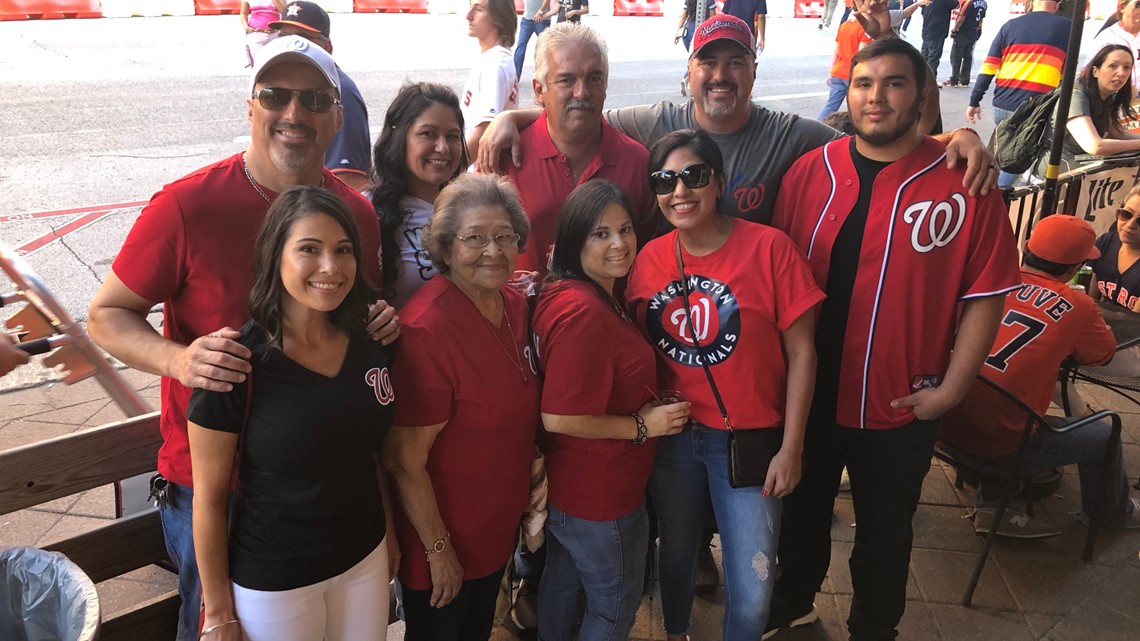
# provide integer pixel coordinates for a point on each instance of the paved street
(99, 114)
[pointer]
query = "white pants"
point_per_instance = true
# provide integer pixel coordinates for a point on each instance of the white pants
(254, 41)
(348, 607)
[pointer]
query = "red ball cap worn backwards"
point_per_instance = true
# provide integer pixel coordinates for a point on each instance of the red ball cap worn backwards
(307, 15)
(1063, 239)
(724, 27)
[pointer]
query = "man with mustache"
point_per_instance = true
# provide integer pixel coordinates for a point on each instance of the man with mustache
(570, 143)
(192, 249)
(898, 245)
(758, 144)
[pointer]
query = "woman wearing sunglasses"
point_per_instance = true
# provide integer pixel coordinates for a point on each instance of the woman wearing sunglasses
(600, 421)
(746, 308)
(303, 555)
(1117, 271)
(461, 450)
(419, 151)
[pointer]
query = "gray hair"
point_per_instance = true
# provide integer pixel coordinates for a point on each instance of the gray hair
(561, 35)
(462, 195)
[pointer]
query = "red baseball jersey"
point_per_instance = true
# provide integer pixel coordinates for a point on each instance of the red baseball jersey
(928, 245)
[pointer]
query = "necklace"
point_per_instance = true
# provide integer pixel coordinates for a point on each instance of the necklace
(249, 177)
(517, 360)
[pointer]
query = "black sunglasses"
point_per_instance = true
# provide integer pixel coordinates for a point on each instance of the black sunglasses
(694, 176)
(278, 98)
(1123, 215)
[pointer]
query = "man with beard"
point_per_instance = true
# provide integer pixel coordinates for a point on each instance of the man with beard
(192, 249)
(897, 244)
(570, 143)
(758, 144)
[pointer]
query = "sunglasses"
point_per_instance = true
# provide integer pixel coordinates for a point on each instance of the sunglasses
(1123, 215)
(694, 176)
(317, 101)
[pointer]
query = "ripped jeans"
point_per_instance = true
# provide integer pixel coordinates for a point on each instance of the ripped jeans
(749, 528)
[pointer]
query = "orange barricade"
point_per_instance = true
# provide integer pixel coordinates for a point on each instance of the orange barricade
(808, 9)
(49, 9)
(1016, 7)
(390, 6)
(215, 7)
(639, 7)
(520, 6)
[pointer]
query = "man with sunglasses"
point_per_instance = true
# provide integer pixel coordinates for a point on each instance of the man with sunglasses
(1044, 322)
(571, 143)
(191, 249)
(350, 154)
(898, 245)
(758, 144)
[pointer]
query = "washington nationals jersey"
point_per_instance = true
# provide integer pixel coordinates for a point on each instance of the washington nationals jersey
(927, 245)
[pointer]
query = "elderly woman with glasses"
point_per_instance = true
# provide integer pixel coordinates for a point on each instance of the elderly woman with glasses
(463, 440)
(738, 297)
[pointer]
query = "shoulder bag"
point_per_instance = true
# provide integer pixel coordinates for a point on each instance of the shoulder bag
(749, 451)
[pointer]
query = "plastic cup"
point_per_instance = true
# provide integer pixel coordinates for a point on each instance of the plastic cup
(671, 396)
(523, 281)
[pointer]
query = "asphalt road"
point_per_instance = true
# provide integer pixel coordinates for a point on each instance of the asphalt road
(106, 111)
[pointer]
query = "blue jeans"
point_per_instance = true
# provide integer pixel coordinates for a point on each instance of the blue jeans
(749, 530)
(527, 28)
(178, 530)
(1084, 446)
(932, 52)
(606, 560)
(1006, 180)
(837, 93)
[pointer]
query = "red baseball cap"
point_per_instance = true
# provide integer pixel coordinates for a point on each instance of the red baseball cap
(1064, 239)
(724, 27)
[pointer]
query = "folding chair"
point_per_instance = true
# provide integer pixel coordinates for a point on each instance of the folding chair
(989, 434)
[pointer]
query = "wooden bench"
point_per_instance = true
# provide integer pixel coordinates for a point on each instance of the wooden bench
(52, 469)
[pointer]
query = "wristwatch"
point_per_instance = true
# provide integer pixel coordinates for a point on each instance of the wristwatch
(439, 546)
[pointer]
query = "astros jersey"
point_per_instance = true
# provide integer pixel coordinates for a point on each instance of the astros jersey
(1044, 321)
(928, 244)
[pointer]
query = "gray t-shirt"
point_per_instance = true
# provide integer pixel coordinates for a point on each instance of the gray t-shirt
(755, 157)
(531, 8)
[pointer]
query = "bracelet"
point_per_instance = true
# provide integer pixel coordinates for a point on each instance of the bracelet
(440, 544)
(211, 629)
(969, 130)
(642, 433)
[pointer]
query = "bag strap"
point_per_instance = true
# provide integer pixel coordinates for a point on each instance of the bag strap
(696, 341)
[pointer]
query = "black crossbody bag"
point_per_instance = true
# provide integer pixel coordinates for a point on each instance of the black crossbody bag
(749, 451)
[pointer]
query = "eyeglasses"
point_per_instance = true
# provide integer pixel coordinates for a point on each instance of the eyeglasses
(694, 176)
(1123, 215)
(479, 241)
(317, 101)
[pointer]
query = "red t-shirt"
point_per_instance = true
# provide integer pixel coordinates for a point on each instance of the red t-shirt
(741, 297)
(450, 366)
(1044, 322)
(545, 180)
(192, 249)
(595, 362)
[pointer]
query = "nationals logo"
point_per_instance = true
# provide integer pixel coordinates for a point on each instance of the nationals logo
(715, 321)
(935, 225)
(381, 385)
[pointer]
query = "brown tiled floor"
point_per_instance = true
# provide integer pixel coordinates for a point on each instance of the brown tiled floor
(1029, 589)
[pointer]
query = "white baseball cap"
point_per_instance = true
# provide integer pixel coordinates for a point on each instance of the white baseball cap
(294, 49)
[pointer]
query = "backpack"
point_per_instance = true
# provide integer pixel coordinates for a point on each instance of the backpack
(1027, 134)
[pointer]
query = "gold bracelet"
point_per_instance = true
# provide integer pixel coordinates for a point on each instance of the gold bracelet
(211, 629)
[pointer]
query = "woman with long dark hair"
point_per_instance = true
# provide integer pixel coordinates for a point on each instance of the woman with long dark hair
(419, 151)
(600, 421)
(745, 307)
(1102, 96)
(303, 555)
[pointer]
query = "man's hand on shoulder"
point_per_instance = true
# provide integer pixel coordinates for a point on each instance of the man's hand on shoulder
(213, 362)
(981, 168)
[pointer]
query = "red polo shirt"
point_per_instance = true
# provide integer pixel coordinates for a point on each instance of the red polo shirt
(545, 180)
